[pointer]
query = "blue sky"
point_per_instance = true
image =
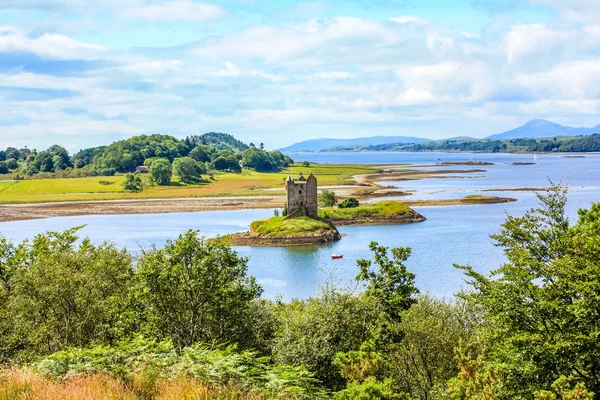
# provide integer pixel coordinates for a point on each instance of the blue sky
(279, 72)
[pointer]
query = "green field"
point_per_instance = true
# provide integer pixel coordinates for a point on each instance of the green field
(248, 183)
(276, 226)
(383, 208)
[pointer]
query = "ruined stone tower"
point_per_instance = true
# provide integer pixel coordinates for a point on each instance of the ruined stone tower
(302, 196)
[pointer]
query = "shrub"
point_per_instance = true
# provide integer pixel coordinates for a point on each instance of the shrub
(141, 363)
(312, 332)
(327, 198)
(350, 202)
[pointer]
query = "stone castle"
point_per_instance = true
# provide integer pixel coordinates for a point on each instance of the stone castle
(302, 196)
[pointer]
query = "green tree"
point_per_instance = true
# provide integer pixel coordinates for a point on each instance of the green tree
(312, 332)
(202, 153)
(197, 290)
(161, 171)
(59, 293)
(349, 202)
(187, 169)
(542, 304)
(133, 183)
(424, 360)
(327, 198)
(43, 161)
(226, 163)
(391, 284)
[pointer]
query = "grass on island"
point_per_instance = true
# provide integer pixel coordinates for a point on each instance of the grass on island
(248, 183)
(383, 208)
(476, 197)
(276, 226)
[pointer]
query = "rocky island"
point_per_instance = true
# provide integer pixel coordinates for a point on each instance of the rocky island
(305, 224)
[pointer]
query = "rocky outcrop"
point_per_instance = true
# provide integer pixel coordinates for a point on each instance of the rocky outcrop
(302, 239)
(398, 219)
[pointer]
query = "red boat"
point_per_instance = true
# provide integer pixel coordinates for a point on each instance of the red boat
(336, 256)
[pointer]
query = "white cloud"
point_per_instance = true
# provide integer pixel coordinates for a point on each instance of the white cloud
(51, 46)
(182, 10)
(409, 19)
(333, 75)
(528, 39)
(575, 80)
(415, 96)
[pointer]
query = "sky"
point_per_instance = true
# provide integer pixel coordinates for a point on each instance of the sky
(84, 73)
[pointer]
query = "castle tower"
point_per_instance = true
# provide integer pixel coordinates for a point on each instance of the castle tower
(302, 196)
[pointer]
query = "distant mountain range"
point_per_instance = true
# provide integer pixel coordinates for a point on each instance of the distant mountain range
(535, 129)
(540, 128)
(324, 144)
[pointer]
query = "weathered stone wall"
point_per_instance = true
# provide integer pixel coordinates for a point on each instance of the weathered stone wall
(312, 207)
(302, 196)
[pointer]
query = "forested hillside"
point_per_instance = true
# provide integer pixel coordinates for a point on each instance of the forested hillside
(211, 151)
(566, 144)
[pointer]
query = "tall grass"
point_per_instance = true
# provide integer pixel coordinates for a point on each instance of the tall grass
(25, 384)
(149, 368)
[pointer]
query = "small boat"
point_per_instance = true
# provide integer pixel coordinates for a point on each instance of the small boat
(336, 256)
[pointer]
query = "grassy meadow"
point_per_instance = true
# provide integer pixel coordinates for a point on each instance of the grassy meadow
(382, 208)
(280, 226)
(247, 183)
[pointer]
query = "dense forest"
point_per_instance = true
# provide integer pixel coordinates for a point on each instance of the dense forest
(565, 144)
(187, 321)
(194, 154)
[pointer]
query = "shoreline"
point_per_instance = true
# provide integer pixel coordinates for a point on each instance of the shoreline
(364, 189)
(22, 212)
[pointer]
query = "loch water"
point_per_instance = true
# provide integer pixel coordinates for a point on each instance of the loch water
(451, 234)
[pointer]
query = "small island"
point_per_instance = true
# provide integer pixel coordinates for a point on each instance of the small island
(304, 224)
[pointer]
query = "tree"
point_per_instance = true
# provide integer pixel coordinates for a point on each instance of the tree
(43, 161)
(133, 183)
(61, 293)
(187, 169)
(226, 163)
(392, 285)
(197, 290)
(424, 360)
(202, 153)
(349, 202)
(327, 198)
(161, 171)
(542, 304)
(312, 332)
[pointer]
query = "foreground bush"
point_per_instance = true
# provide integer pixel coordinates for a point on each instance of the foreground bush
(56, 293)
(142, 364)
(27, 385)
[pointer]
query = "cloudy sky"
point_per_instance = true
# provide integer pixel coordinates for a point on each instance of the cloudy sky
(278, 72)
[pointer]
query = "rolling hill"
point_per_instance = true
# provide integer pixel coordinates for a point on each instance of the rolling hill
(324, 144)
(539, 128)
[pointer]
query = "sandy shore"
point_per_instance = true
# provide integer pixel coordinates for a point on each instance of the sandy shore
(16, 212)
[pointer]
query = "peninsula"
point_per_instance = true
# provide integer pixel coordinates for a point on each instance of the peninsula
(304, 224)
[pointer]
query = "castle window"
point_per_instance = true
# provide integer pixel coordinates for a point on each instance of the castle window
(300, 192)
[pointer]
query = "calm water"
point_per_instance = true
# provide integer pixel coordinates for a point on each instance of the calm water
(456, 234)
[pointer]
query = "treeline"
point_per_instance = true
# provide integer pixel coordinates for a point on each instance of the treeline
(210, 151)
(566, 144)
(189, 312)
